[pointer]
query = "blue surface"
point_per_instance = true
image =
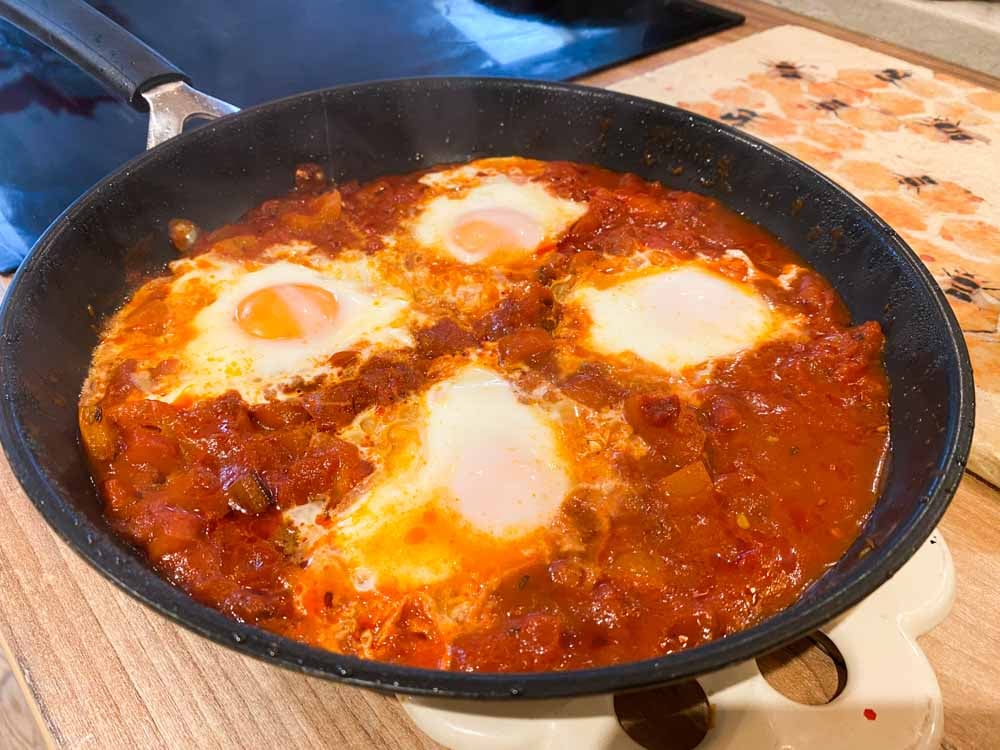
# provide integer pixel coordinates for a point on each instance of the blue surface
(60, 132)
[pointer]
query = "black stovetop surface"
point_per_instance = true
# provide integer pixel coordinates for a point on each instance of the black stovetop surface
(60, 132)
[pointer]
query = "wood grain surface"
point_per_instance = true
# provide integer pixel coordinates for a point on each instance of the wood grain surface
(19, 729)
(102, 671)
(963, 649)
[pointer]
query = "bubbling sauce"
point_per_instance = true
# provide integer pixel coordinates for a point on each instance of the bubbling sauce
(651, 426)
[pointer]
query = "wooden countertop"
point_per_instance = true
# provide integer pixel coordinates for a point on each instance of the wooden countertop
(101, 671)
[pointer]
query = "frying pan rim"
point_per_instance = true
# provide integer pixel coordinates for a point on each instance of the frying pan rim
(98, 548)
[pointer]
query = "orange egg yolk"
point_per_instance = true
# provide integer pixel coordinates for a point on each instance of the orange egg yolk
(287, 311)
(494, 231)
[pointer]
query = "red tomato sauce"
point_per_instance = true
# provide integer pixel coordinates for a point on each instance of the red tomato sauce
(740, 503)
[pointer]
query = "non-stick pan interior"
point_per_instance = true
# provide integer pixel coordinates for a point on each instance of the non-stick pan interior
(115, 236)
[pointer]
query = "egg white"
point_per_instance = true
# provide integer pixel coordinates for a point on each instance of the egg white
(678, 317)
(478, 474)
(433, 227)
(221, 356)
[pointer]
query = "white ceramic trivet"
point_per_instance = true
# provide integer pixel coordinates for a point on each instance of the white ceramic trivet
(891, 700)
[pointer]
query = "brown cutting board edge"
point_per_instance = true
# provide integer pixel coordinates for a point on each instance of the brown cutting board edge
(984, 461)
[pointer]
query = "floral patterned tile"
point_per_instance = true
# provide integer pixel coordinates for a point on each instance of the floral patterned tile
(920, 148)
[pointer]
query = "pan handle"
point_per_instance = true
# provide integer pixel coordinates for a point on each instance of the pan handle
(173, 104)
(132, 71)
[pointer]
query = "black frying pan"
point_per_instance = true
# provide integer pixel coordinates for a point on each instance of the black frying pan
(92, 254)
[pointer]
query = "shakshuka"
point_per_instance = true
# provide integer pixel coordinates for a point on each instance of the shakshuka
(510, 415)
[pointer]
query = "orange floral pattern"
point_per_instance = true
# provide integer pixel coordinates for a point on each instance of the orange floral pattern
(922, 149)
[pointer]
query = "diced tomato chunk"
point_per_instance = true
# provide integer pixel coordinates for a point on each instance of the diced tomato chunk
(152, 448)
